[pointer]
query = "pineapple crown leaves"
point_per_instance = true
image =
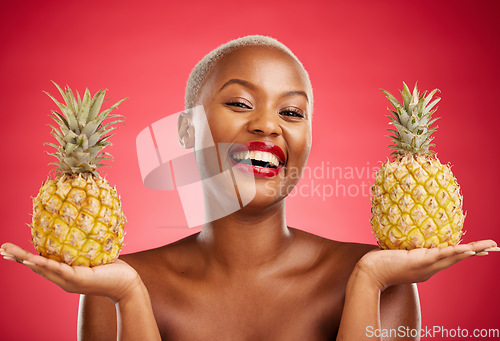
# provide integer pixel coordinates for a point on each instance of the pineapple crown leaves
(80, 131)
(412, 119)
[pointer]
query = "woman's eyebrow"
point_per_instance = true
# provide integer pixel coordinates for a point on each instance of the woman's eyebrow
(296, 93)
(238, 81)
(253, 87)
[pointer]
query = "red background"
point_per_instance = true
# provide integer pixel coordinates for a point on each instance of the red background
(145, 51)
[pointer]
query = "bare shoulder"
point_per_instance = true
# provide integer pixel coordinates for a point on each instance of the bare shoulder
(333, 248)
(338, 258)
(161, 261)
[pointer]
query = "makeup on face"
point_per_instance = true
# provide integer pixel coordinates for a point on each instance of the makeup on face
(258, 158)
(257, 105)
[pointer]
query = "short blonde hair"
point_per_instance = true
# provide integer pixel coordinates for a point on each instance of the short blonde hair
(203, 68)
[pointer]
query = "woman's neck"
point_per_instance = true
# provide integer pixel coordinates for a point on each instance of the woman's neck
(246, 239)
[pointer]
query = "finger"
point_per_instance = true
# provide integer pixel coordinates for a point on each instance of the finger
(56, 272)
(15, 251)
(20, 255)
(477, 246)
(438, 254)
(482, 245)
(4, 245)
(48, 266)
(35, 262)
(446, 262)
(4, 252)
(9, 246)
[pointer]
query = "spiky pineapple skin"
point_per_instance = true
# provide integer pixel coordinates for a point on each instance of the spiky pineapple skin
(78, 220)
(416, 203)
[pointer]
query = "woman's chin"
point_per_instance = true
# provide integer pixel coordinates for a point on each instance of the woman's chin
(266, 194)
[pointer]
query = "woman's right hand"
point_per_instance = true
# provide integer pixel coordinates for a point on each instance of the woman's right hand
(113, 281)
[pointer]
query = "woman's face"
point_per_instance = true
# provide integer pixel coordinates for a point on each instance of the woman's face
(257, 103)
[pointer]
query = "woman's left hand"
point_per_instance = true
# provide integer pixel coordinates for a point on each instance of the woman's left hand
(392, 267)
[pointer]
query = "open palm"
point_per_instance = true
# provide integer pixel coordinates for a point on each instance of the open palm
(392, 267)
(110, 280)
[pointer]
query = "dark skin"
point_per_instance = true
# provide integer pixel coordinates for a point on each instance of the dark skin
(298, 296)
(248, 275)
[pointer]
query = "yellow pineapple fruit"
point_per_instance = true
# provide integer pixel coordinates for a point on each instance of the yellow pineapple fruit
(77, 216)
(416, 200)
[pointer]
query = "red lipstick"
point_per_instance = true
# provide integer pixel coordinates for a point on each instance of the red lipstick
(258, 158)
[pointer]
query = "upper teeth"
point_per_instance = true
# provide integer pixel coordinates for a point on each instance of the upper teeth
(257, 155)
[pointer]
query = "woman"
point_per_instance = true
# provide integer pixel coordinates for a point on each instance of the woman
(247, 275)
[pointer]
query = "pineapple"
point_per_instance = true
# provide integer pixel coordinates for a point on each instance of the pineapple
(416, 200)
(77, 216)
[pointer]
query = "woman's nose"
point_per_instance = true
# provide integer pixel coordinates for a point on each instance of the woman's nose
(265, 122)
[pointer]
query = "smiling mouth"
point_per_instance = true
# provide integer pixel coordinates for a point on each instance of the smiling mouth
(258, 158)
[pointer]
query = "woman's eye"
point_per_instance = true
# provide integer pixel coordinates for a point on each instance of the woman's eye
(292, 112)
(240, 105)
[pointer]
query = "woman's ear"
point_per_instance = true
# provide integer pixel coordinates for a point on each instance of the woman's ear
(185, 129)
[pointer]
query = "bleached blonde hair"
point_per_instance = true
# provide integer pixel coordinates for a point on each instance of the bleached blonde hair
(203, 68)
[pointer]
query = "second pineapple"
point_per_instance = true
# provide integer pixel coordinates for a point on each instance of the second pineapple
(77, 216)
(416, 200)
